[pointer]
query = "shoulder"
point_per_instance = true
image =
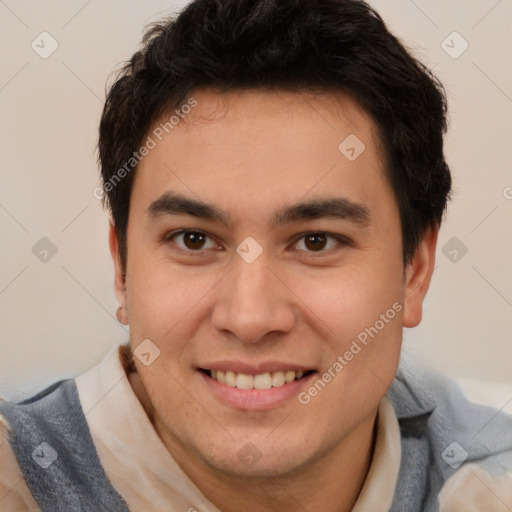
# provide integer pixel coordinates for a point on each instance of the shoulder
(464, 444)
(20, 425)
(477, 488)
(419, 391)
(15, 495)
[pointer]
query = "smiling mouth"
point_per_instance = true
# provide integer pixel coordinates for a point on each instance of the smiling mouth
(261, 381)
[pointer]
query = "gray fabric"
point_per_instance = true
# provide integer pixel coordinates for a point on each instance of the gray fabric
(432, 413)
(51, 425)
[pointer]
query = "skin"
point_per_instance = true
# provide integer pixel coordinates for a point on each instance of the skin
(251, 153)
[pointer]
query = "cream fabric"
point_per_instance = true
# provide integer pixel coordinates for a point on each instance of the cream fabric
(142, 470)
(145, 474)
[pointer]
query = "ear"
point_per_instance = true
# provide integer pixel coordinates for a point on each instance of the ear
(119, 276)
(417, 278)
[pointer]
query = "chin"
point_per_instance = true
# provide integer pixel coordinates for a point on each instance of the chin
(255, 457)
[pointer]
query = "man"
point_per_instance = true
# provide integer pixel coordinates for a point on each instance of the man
(275, 176)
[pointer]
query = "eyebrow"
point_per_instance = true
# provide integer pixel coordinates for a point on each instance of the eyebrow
(171, 203)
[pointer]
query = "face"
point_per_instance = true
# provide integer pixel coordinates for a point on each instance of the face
(257, 246)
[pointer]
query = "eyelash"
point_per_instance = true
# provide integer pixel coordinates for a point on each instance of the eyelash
(310, 254)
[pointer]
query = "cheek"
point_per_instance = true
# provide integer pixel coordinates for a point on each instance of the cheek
(361, 313)
(349, 300)
(166, 304)
(362, 351)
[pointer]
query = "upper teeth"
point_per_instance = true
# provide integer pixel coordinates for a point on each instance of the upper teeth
(261, 381)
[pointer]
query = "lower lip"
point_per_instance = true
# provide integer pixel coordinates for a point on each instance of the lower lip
(255, 399)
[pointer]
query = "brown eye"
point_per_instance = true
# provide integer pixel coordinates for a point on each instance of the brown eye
(315, 241)
(319, 242)
(192, 240)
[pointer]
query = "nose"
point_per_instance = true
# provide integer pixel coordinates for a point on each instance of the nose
(253, 302)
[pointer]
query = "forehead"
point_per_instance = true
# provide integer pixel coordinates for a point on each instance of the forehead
(239, 113)
(259, 149)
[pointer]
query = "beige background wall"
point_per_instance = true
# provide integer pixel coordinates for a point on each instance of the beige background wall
(57, 318)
